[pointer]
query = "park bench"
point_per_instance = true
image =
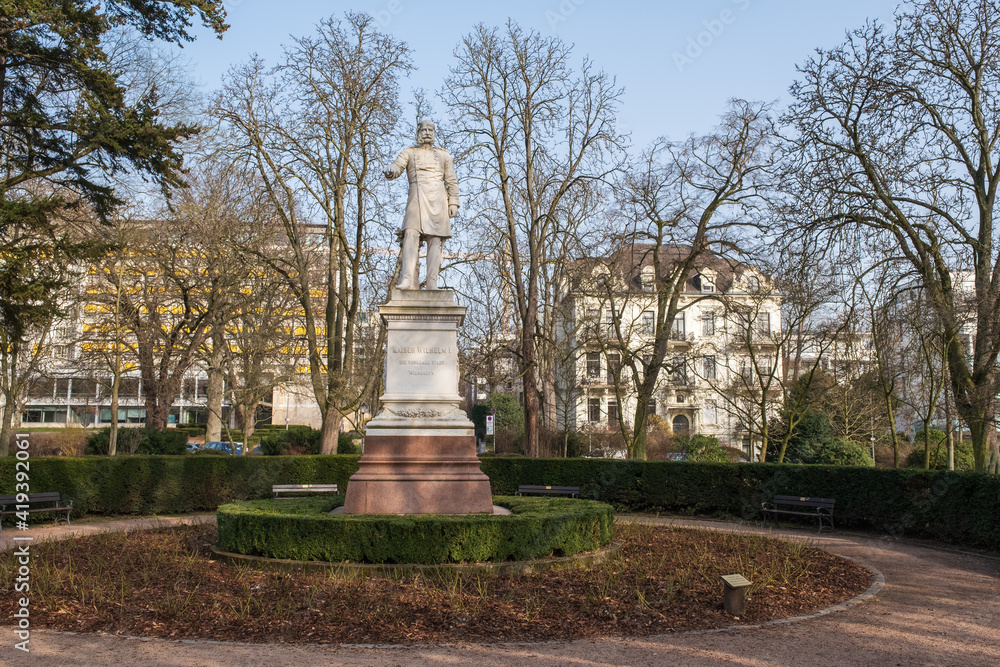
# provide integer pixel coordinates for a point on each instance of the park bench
(571, 491)
(37, 502)
(820, 508)
(303, 488)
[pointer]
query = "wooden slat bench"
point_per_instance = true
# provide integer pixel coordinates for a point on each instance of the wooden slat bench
(303, 488)
(37, 502)
(820, 508)
(571, 491)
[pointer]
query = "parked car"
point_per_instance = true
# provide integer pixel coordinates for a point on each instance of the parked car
(193, 447)
(224, 447)
(602, 453)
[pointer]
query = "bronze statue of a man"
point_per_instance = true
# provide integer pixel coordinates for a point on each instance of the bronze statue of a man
(430, 205)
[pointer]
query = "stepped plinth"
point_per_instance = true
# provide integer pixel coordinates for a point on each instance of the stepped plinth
(420, 449)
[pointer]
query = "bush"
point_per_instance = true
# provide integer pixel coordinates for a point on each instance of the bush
(146, 440)
(953, 507)
(302, 529)
(964, 459)
(293, 440)
(560, 444)
(509, 415)
(137, 485)
(346, 443)
(842, 452)
(702, 448)
(957, 507)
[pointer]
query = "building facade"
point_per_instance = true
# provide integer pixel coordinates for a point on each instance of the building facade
(721, 373)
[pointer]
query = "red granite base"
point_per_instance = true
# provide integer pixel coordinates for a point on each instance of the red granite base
(419, 475)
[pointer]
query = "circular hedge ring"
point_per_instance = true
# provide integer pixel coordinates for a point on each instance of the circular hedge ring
(302, 529)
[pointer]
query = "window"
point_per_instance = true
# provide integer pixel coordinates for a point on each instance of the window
(648, 280)
(593, 364)
(129, 387)
(592, 318)
(709, 368)
(765, 366)
(707, 285)
(651, 408)
(762, 323)
(710, 414)
(612, 414)
(680, 398)
(647, 360)
(83, 388)
(648, 322)
(708, 324)
(614, 365)
(609, 322)
(681, 425)
(677, 331)
(594, 410)
(679, 371)
(753, 284)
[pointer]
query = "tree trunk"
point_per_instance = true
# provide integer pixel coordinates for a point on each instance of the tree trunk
(215, 390)
(115, 387)
(5, 428)
(331, 429)
(949, 429)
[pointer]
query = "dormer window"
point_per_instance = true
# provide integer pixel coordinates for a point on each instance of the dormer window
(648, 280)
(705, 281)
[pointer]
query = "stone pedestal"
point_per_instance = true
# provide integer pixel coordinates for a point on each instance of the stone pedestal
(420, 450)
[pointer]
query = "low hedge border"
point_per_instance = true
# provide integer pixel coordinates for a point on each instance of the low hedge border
(302, 529)
(956, 507)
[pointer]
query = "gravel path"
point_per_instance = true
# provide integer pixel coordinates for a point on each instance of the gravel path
(937, 608)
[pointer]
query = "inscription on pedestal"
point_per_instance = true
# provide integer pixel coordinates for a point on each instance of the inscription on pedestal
(421, 360)
(431, 367)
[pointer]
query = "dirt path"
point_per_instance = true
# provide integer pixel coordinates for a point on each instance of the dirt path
(937, 608)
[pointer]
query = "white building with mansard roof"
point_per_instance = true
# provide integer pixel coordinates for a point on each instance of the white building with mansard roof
(721, 374)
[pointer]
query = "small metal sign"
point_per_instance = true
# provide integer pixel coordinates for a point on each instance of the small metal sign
(489, 424)
(735, 580)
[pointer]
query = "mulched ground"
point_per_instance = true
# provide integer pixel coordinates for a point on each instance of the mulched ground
(165, 583)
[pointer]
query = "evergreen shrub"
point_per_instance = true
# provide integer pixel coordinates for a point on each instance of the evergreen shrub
(302, 529)
(151, 441)
(293, 440)
(958, 507)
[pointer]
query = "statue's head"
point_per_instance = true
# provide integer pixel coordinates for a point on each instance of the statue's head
(425, 132)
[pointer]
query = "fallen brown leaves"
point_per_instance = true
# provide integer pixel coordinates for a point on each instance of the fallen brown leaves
(165, 584)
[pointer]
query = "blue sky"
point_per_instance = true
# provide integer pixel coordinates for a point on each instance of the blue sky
(679, 61)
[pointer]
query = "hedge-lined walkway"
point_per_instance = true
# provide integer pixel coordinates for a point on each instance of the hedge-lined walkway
(937, 608)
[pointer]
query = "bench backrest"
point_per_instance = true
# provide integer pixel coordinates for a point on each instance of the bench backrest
(47, 497)
(567, 489)
(301, 487)
(799, 501)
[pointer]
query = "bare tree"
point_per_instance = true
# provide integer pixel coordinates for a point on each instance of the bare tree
(898, 130)
(315, 130)
(534, 132)
(682, 206)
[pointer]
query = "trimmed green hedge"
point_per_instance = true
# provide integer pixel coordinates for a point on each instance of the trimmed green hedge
(302, 529)
(173, 484)
(957, 507)
(962, 508)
